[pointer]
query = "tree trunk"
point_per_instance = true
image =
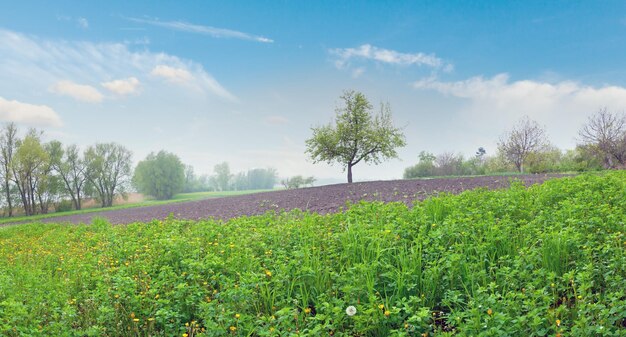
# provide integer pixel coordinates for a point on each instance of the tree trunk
(349, 173)
(8, 192)
(43, 206)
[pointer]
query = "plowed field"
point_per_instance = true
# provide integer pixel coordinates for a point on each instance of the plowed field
(323, 199)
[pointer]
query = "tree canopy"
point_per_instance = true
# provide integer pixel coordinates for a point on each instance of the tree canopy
(108, 168)
(160, 175)
(357, 135)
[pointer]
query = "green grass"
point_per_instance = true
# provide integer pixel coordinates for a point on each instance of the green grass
(181, 197)
(546, 260)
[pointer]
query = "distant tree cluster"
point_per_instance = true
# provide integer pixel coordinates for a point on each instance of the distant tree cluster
(37, 176)
(196, 183)
(525, 148)
(297, 182)
(253, 179)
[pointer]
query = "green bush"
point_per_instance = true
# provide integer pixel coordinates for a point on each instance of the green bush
(64, 206)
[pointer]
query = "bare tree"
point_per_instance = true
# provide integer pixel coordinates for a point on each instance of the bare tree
(607, 132)
(525, 138)
(449, 164)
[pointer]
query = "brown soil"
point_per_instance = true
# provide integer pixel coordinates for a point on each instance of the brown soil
(323, 199)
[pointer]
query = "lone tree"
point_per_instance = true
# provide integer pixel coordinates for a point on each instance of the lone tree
(358, 135)
(160, 175)
(526, 137)
(606, 132)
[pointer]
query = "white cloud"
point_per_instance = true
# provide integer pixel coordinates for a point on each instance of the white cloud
(81, 92)
(83, 23)
(182, 76)
(36, 115)
(39, 63)
(205, 30)
(497, 102)
(123, 86)
(175, 75)
(388, 56)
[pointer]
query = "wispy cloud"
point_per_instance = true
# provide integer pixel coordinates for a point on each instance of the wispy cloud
(204, 30)
(182, 76)
(123, 86)
(82, 23)
(387, 56)
(31, 114)
(496, 102)
(40, 64)
(175, 75)
(500, 92)
(80, 92)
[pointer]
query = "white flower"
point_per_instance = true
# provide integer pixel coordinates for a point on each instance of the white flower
(351, 310)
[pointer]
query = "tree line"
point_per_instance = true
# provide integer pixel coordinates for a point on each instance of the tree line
(36, 175)
(526, 148)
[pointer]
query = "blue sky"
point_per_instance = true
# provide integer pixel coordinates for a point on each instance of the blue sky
(243, 82)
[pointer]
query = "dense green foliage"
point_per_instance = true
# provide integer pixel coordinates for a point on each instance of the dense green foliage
(358, 135)
(160, 175)
(541, 261)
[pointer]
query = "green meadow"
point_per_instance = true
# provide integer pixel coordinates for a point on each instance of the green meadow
(548, 260)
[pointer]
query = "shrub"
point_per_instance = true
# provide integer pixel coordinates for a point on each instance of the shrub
(64, 206)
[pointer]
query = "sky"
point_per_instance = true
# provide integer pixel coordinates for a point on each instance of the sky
(245, 81)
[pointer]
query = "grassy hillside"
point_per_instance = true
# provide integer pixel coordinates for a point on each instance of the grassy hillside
(549, 260)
